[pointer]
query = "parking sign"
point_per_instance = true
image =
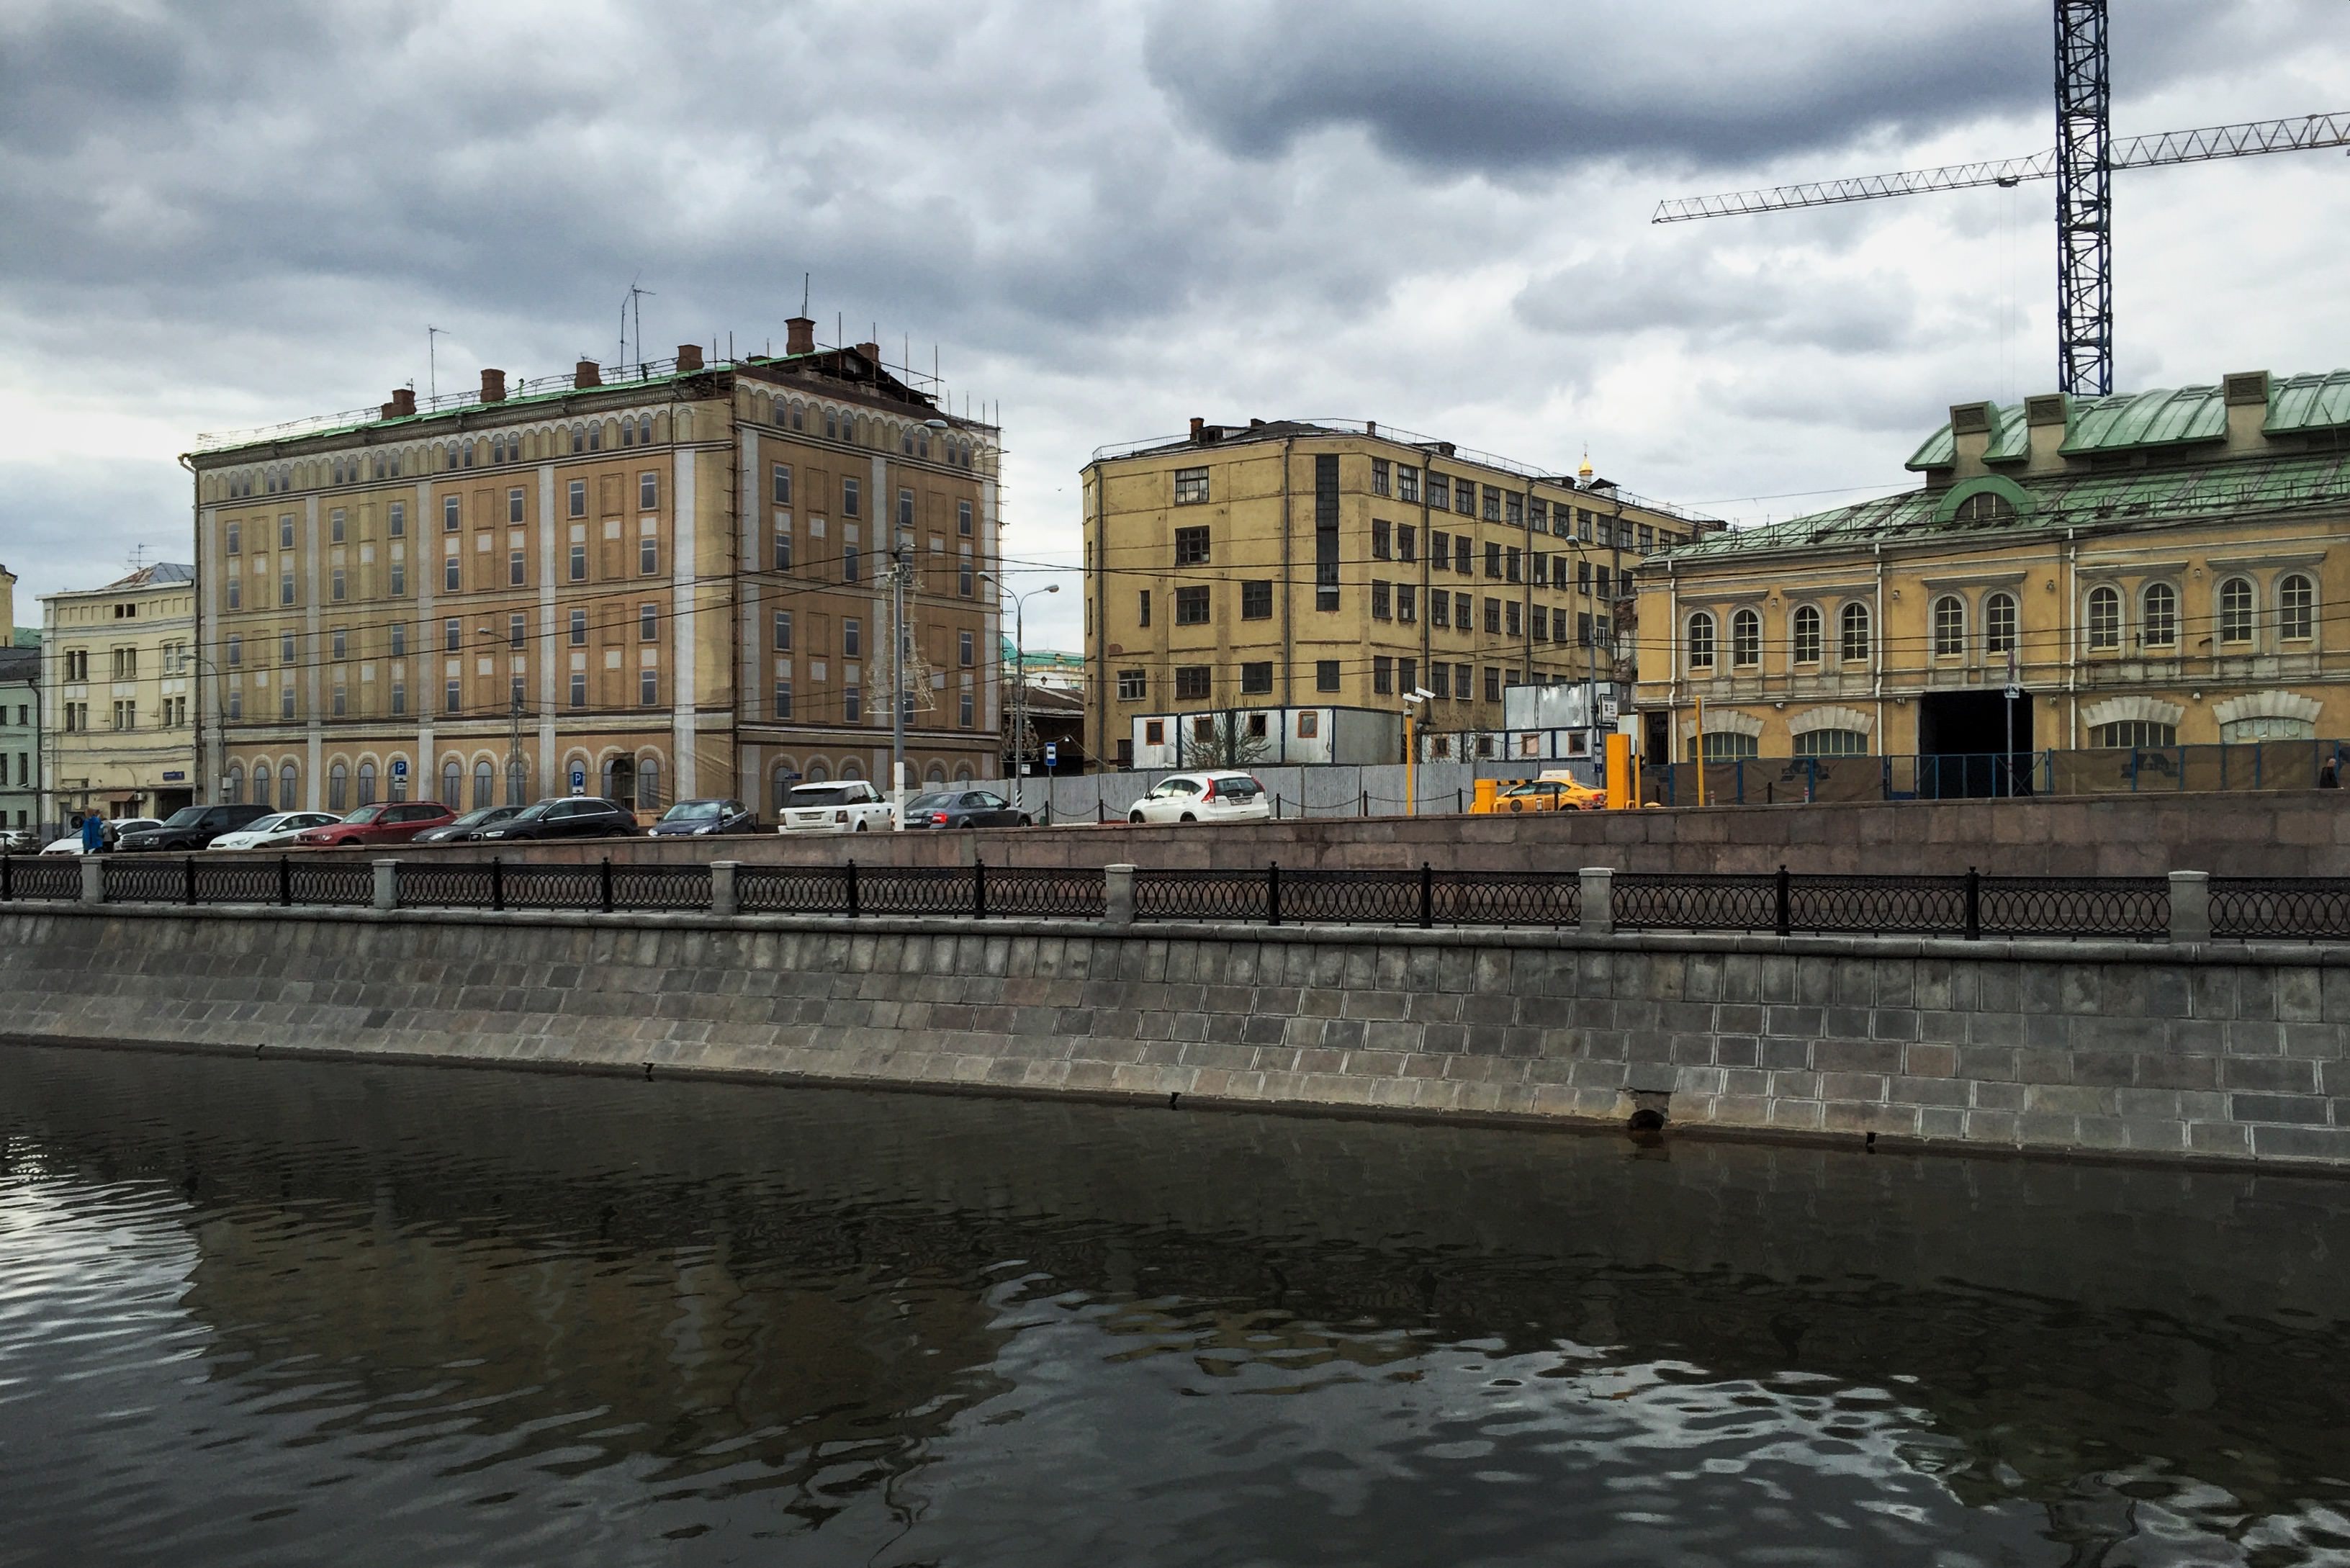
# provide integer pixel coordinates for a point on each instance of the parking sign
(579, 780)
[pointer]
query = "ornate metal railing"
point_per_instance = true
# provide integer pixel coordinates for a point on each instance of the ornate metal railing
(1971, 906)
(2296, 907)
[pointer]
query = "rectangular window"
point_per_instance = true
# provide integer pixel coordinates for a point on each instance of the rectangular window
(1191, 486)
(452, 696)
(966, 648)
(285, 530)
(1382, 676)
(852, 498)
(1192, 606)
(1493, 685)
(648, 491)
(1190, 547)
(1256, 678)
(578, 563)
(1513, 509)
(579, 689)
(399, 640)
(1600, 630)
(1513, 564)
(1583, 630)
(1439, 550)
(1382, 540)
(1492, 560)
(852, 703)
(340, 640)
(398, 579)
(1378, 476)
(1541, 570)
(236, 533)
(450, 515)
(1463, 561)
(514, 507)
(779, 481)
(905, 508)
(1256, 599)
(1464, 498)
(647, 688)
(1440, 681)
(1647, 538)
(342, 699)
(1439, 493)
(1133, 686)
(452, 636)
(783, 632)
(1406, 602)
(579, 498)
(579, 628)
(451, 579)
(962, 518)
(1439, 609)
(967, 711)
(285, 588)
(1406, 676)
(1515, 610)
(850, 566)
(852, 638)
(1539, 514)
(1493, 617)
(1381, 602)
(1407, 483)
(1142, 605)
(1191, 683)
(783, 700)
(648, 623)
(398, 529)
(1325, 675)
(335, 527)
(286, 700)
(649, 556)
(782, 547)
(336, 584)
(284, 648)
(1604, 587)
(513, 568)
(1407, 542)
(398, 696)
(1326, 531)
(965, 581)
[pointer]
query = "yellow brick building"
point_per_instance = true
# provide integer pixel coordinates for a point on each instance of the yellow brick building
(668, 584)
(117, 681)
(2147, 569)
(1301, 578)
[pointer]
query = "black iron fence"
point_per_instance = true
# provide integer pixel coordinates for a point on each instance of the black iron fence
(1970, 906)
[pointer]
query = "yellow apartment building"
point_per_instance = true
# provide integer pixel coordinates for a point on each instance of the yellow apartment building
(117, 681)
(1300, 579)
(657, 585)
(2148, 570)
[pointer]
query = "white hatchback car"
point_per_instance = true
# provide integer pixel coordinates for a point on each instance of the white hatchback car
(846, 805)
(1219, 796)
(273, 832)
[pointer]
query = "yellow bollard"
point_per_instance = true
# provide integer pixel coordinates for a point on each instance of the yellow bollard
(1619, 771)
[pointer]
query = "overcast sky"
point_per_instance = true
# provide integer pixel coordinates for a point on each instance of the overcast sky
(1112, 217)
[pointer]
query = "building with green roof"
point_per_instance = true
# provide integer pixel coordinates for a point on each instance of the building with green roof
(2151, 569)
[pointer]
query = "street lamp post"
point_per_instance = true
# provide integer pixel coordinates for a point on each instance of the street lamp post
(1020, 688)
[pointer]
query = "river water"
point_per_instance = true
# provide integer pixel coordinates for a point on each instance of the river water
(279, 1313)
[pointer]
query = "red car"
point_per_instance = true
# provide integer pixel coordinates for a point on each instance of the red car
(395, 823)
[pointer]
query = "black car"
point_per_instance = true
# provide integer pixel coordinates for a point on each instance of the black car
(563, 816)
(964, 808)
(469, 826)
(704, 816)
(194, 827)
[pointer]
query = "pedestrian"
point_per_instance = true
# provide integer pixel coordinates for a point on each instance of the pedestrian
(93, 832)
(2328, 777)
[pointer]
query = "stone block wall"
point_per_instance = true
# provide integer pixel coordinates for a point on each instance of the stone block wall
(2218, 1050)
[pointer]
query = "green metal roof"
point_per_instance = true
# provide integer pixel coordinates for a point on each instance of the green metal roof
(2009, 438)
(2058, 502)
(2309, 402)
(2156, 417)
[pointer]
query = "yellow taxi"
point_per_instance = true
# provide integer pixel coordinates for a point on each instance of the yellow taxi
(1552, 792)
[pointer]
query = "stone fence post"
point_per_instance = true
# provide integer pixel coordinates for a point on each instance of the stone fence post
(1598, 901)
(93, 879)
(2190, 906)
(1118, 892)
(721, 888)
(386, 885)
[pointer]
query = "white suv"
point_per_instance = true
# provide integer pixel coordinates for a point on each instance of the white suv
(1203, 797)
(850, 806)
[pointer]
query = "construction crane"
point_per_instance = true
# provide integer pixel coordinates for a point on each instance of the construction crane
(2082, 163)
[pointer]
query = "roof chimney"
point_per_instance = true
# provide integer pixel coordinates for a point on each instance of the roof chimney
(1199, 427)
(586, 373)
(402, 404)
(494, 384)
(872, 351)
(1256, 424)
(799, 334)
(1371, 427)
(689, 356)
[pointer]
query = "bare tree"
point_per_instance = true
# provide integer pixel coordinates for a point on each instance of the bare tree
(1226, 744)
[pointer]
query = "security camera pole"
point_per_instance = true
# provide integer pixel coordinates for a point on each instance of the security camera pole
(1412, 702)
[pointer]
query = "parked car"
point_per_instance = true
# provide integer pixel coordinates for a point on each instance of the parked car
(847, 805)
(391, 822)
(563, 816)
(702, 816)
(964, 808)
(277, 831)
(191, 828)
(469, 826)
(1552, 792)
(71, 842)
(1219, 796)
(18, 840)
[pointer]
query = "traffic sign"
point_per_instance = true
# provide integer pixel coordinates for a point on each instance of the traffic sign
(400, 767)
(1052, 753)
(579, 780)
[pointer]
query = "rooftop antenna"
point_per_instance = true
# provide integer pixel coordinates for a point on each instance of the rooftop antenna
(806, 278)
(633, 312)
(432, 334)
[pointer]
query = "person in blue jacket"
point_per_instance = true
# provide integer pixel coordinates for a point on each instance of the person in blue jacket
(93, 832)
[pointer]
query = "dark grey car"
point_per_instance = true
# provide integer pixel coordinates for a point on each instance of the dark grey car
(468, 826)
(964, 808)
(706, 816)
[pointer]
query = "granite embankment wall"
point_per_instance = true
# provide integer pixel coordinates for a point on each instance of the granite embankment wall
(2278, 834)
(2157, 1050)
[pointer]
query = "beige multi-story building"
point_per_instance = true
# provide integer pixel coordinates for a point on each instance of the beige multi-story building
(2147, 570)
(1273, 592)
(117, 681)
(668, 585)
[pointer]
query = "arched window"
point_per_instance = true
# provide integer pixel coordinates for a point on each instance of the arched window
(234, 789)
(2296, 607)
(395, 781)
(1701, 641)
(1831, 743)
(786, 774)
(2134, 733)
(485, 779)
(1746, 639)
(817, 771)
(338, 789)
(2158, 615)
(1999, 624)
(1728, 746)
(937, 775)
(262, 794)
(289, 790)
(2105, 618)
(1806, 638)
(1853, 633)
(962, 774)
(2236, 611)
(2239, 732)
(850, 769)
(649, 785)
(1985, 506)
(579, 438)
(517, 782)
(620, 780)
(1949, 627)
(452, 785)
(628, 431)
(367, 783)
